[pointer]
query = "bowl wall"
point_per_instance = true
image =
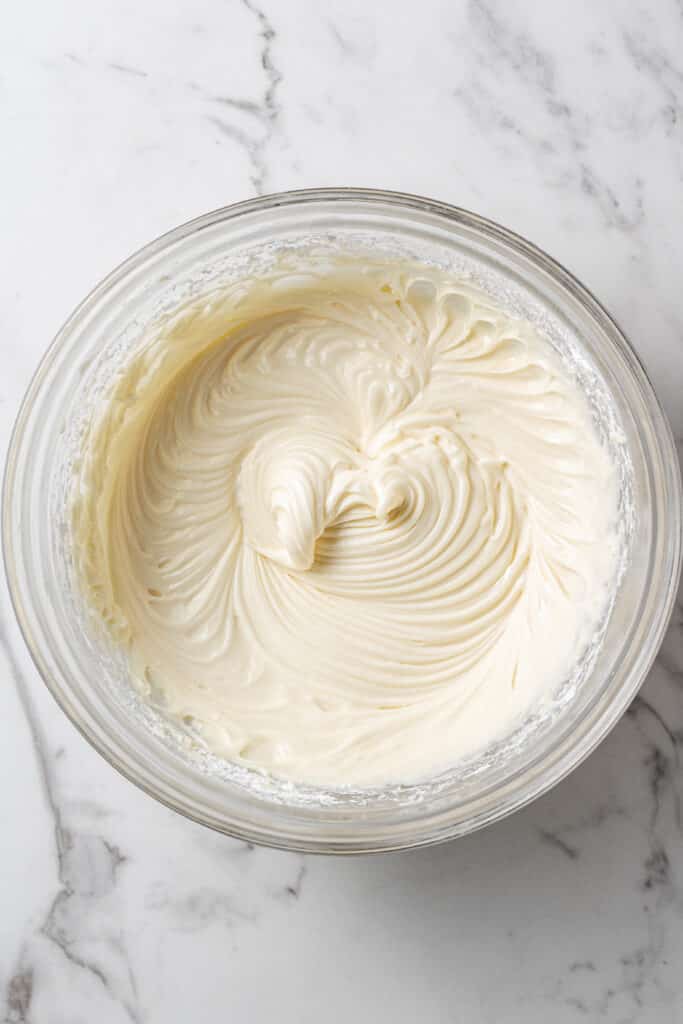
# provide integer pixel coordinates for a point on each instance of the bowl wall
(89, 678)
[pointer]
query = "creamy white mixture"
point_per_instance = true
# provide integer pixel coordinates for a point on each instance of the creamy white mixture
(350, 522)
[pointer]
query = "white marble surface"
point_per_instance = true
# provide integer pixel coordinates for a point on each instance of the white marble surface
(562, 120)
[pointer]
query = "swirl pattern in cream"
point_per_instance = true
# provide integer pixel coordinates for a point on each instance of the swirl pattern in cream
(350, 520)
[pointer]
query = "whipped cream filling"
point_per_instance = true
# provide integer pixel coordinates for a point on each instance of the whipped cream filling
(350, 521)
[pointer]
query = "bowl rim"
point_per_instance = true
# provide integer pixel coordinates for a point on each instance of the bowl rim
(557, 763)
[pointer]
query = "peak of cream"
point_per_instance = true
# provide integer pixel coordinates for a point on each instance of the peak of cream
(350, 520)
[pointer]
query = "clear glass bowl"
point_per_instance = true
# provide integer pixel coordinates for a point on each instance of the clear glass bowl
(89, 679)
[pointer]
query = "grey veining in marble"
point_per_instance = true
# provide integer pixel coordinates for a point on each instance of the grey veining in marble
(563, 121)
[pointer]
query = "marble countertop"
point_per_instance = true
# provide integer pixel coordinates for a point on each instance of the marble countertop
(562, 121)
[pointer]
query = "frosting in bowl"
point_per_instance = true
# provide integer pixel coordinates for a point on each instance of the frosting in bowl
(350, 520)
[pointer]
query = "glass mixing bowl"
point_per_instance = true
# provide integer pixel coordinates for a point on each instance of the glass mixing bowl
(89, 678)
